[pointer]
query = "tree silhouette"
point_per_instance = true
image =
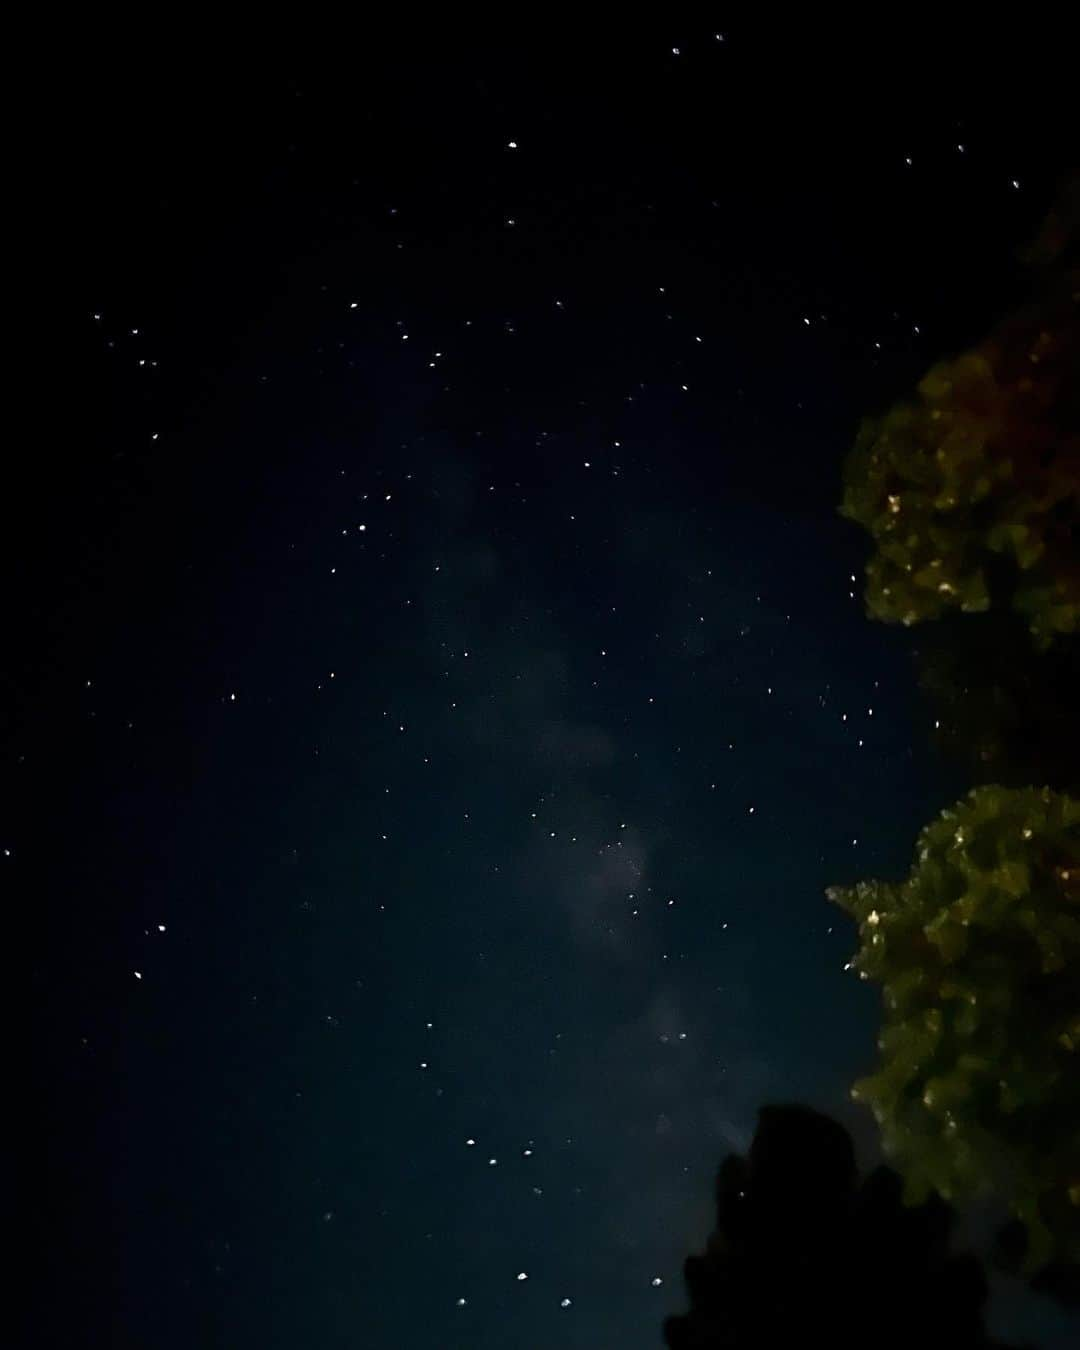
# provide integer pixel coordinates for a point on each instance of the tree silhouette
(1059, 1280)
(802, 1254)
(1001, 708)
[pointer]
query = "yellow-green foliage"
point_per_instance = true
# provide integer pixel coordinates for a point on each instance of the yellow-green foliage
(978, 953)
(984, 461)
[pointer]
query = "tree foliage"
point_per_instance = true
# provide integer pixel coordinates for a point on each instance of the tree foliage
(971, 489)
(1005, 711)
(803, 1253)
(977, 951)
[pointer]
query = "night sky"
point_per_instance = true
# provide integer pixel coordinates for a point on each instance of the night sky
(442, 689)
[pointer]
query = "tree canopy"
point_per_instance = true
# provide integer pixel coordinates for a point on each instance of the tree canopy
(1005, 711)
(970, 492)
(971, 489)
(979, 1080)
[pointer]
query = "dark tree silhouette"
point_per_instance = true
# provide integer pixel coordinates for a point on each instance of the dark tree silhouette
(803, 1254)
(1001, 709)
(1058, 1280)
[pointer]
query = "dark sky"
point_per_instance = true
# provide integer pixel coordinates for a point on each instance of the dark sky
(442, 694)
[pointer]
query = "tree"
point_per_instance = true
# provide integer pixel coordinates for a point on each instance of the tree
(1001, 708)
(971, 490)
(971, 494)
(803, 1254)
(977, 951)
